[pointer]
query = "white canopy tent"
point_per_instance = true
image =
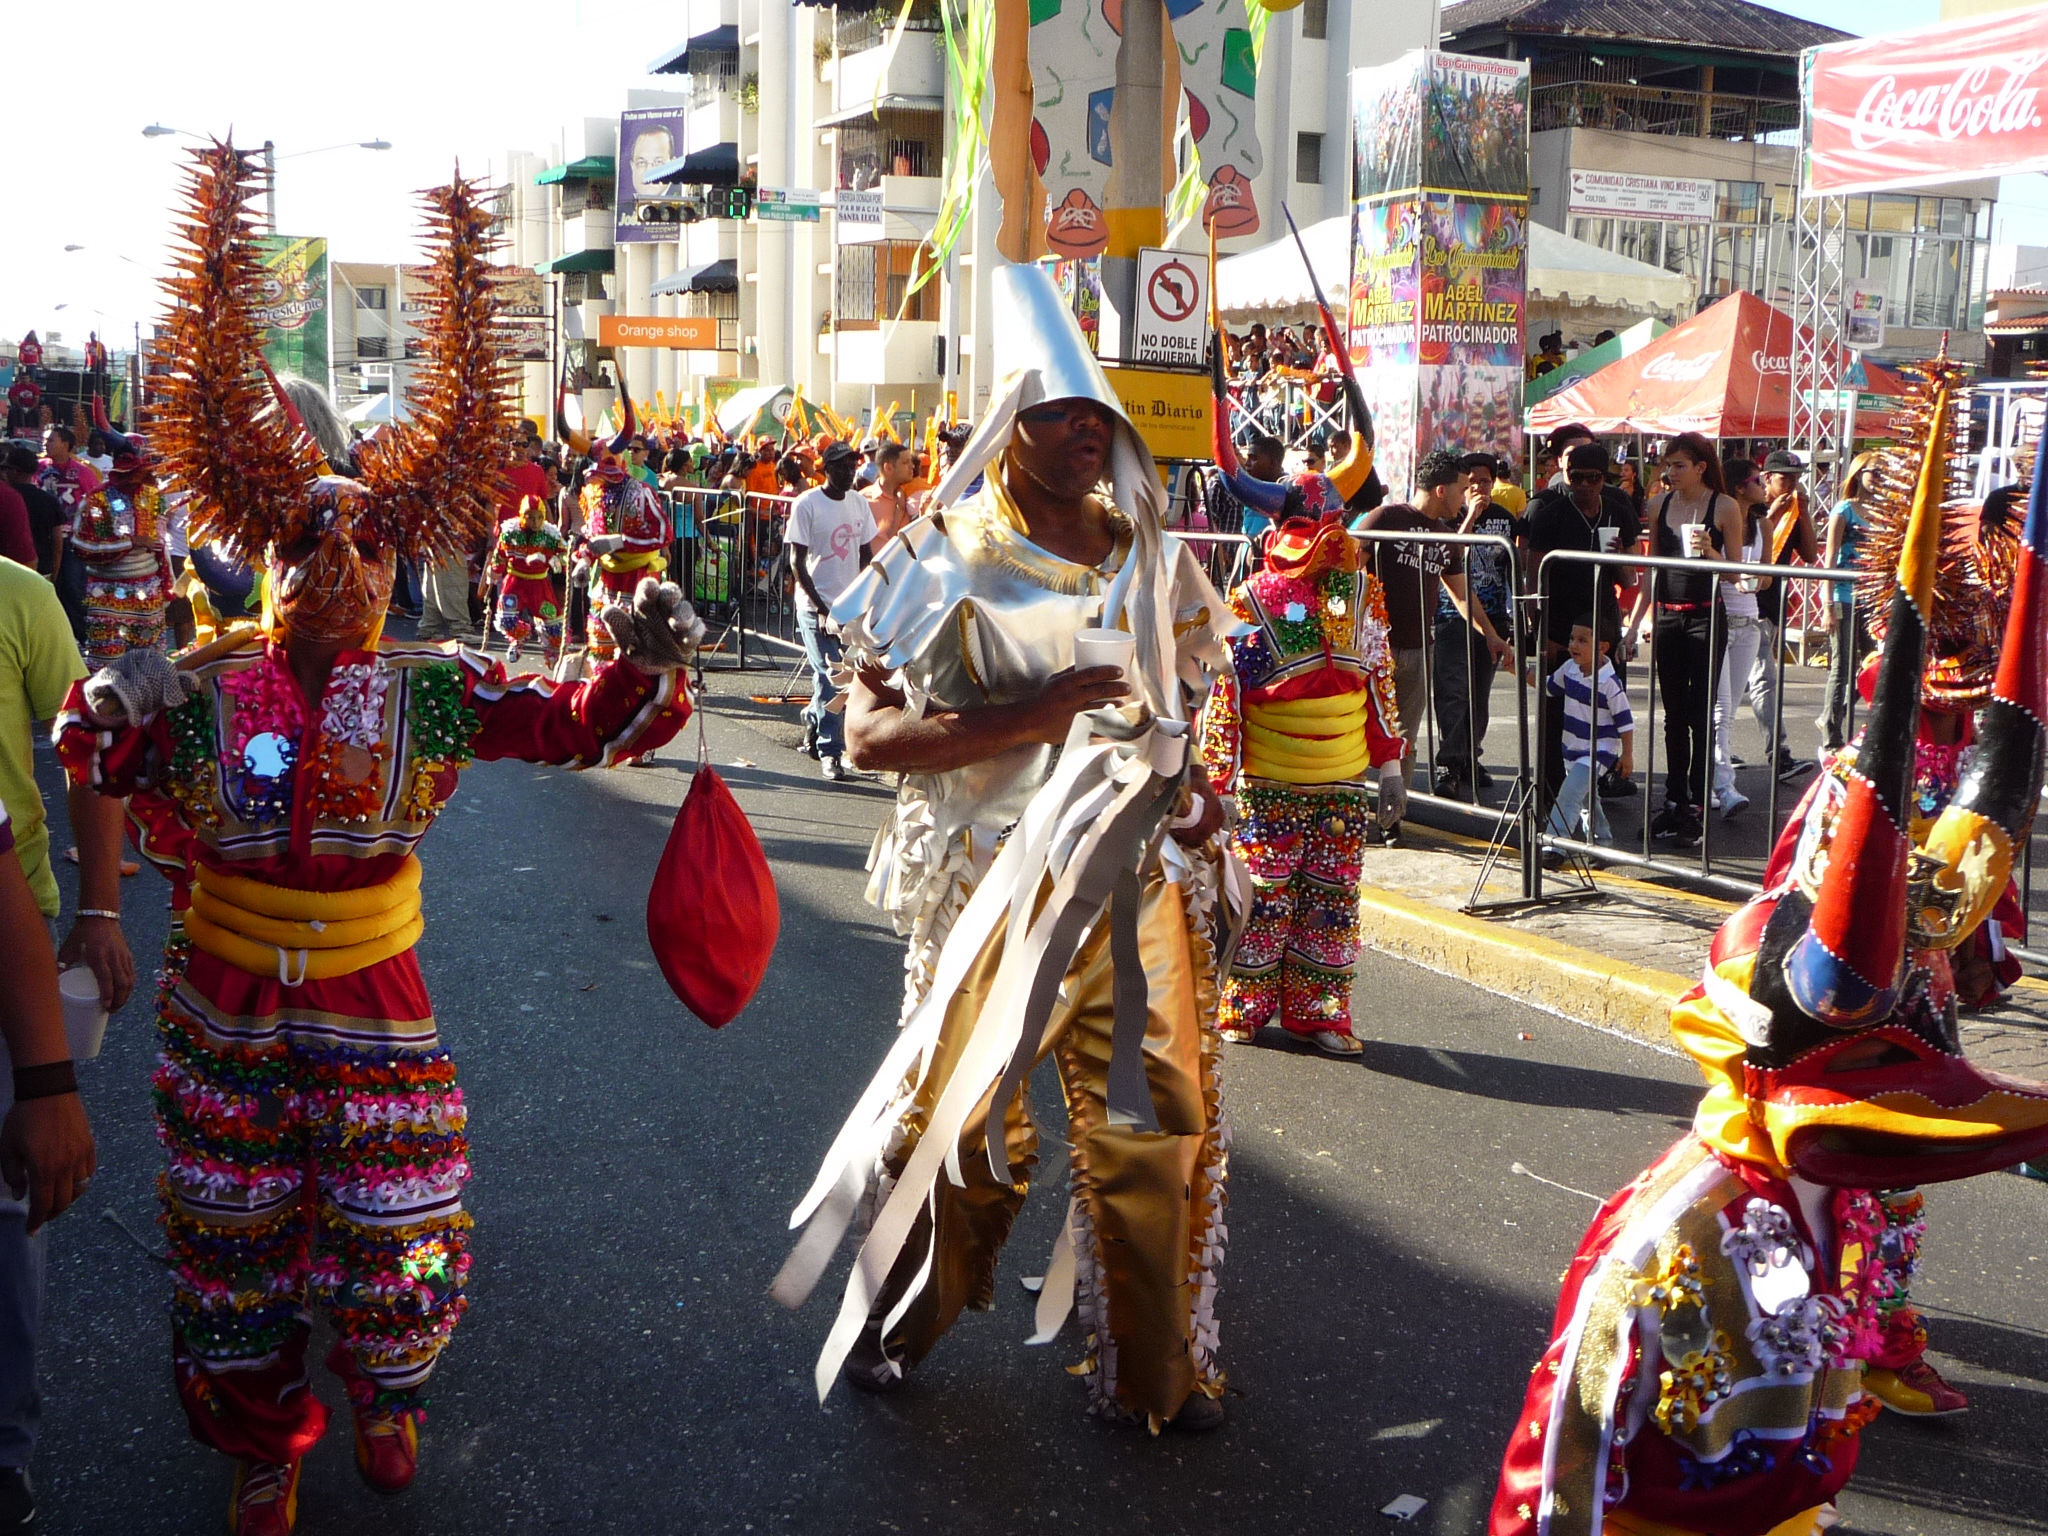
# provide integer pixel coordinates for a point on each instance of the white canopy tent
(375, 410)
(1269, 283)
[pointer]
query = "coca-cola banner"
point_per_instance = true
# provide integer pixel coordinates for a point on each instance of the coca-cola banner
(1939, 104)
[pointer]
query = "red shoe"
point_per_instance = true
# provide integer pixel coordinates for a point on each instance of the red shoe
(1915, 1390)
(388, 1448)
(266, 1498)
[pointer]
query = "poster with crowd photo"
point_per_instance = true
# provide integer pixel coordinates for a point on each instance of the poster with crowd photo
(1386, 127)
(649, 138)
(293, 304)
(1477, 139)
(525, 324)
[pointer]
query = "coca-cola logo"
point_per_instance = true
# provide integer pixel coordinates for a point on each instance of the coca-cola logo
(1673, 369)
(1962, 108)
(1763, 362)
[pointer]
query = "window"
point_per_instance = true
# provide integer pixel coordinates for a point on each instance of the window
(373, 346)
(1315, 22)
(872, 282)
(1738, 202)
(1308, 159)
(898, 143)
(370, 298)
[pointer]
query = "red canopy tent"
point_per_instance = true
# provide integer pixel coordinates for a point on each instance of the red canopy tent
(1725, 373)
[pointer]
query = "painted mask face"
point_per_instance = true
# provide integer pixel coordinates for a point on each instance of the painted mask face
(333, 590)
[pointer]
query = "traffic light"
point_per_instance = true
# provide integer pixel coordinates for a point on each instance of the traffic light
(728, 202)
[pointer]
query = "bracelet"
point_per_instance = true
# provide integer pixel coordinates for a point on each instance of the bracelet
(47, 1081)
(112, 917)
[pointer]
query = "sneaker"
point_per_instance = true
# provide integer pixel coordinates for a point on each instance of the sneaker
(831, 769)
(1614, 787)
(17, 1500)
(809, 745)
(1676, 824)
(1731, 803)
(1915, 1390)
(1390, 835)
(1481, 777)
(1334, 1042)
(1451, 784)
(1233, 1036)
(266, 1498)
(1789, 767)
(387, 1449)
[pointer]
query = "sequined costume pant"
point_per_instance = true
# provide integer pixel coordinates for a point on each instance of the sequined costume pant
(123, 616)
(1301, 845)
(308, 1162)
(1905, 1331)
(1148, 1217)
(527, 611)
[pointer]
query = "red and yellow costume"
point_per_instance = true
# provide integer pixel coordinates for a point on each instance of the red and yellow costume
(314, 1134)
(521, 561)
(1308, 715)
(1706, 1377)
(627, 529)
(119, 537)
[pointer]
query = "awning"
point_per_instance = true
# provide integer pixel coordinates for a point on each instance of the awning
(589, 168)
(579, 261)
(715, 165)
(1561, 269)
(721, 276)
(678, 61)
(886, 104)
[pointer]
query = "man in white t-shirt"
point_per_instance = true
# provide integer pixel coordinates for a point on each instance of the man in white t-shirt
(831, 535)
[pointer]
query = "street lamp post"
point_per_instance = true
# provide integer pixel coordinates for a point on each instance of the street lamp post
(270, 159)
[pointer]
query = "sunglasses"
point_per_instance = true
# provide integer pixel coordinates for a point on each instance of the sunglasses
(1586, 477)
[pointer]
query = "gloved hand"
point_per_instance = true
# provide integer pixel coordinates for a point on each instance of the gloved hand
(660, 632)
(579, 573)
(1393, 793)
(139, 685)
(606, 543)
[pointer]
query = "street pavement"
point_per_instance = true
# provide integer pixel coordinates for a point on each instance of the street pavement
(1396, 1234)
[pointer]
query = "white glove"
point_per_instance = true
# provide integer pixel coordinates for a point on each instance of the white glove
(579, 573)
(138, 685)
(660, 632)
(1393, 793)
(606, 543)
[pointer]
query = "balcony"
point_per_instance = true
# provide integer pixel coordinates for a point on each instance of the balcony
(1653, 109)
(866, 71)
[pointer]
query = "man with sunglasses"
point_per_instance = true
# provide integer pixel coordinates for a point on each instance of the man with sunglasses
(1593, 516)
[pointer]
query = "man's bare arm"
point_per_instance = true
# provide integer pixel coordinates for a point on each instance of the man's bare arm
(881, 737)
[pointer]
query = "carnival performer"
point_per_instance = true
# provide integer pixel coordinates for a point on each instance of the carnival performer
(626, 526)
(1306, 713)
(1707, 1370)
(282, 780)
(1050, 909)
(119, 536)
(527, 549)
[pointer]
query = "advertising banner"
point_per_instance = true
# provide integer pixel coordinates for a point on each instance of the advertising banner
(1440, 254)
(1170, 410)
(860, 216)
(1937, 104)
(523, 328)
(293, 304)
(1619, 194)
(649, 138)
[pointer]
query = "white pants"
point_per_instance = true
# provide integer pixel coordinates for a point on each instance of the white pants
(1748, 656)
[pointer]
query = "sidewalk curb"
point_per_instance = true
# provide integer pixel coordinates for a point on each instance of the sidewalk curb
(1529, 968)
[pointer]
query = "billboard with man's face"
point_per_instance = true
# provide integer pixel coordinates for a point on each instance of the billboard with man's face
(649, 137)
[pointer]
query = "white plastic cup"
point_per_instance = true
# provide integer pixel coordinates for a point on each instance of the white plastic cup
(85, 1021)
(1696, 540)
(1607, 536)
(1105, 648)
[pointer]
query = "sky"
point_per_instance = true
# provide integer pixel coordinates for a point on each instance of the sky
(441, 80)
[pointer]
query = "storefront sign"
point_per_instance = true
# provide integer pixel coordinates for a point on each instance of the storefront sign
(1618, 194)
(1937, 104)
(860, 216)
(694, 333)
(1170, 410)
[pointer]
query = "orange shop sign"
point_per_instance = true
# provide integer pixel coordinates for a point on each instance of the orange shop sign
(697, 333)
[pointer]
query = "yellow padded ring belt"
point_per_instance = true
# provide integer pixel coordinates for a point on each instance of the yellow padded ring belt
(621, 562)
(304, 935)
(1336, 706)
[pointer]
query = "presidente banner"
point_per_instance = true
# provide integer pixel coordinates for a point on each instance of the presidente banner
(1937, 104)
(649, 138)
(293, 304)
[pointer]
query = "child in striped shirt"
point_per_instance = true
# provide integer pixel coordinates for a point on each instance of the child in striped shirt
(1599, 733)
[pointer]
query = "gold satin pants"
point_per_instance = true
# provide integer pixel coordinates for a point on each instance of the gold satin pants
(1150, 1202)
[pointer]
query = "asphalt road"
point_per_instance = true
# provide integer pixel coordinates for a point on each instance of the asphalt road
(1389, 1283)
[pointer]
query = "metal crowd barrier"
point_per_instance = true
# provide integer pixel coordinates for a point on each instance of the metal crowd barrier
(733, 563)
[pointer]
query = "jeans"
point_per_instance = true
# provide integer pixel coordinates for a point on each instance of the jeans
(1686, 676)
(1847, 647)
(1463, 710)
(1411, 701)
(1741, 657)
(1763, 686)
(823, 650)
(1576, 801)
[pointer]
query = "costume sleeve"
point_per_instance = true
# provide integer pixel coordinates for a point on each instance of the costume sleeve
(1222, 736)
(618, 714)
(494, 567)
(1383, 736)
(116, 760)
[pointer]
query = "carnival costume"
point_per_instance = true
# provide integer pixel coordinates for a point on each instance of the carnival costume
(1049, 914)
(119, 537)
(1706, 1374)
(626, 525)
(1308, 713)
(314, 1132)
(521, 560)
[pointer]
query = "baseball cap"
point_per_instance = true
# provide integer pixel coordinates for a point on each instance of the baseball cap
(1783, 462)
(837, 452)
